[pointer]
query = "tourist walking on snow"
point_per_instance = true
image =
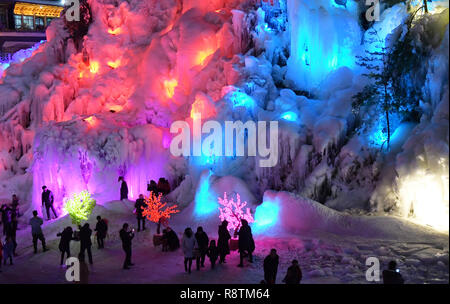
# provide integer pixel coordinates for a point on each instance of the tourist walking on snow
(123, 188)
(213, 253)
(8, 248)
(12, 230)
(15, 204)
(6, 217)
(126, 237)
(188, 244)
(64, 242)
(173, 243)
(102, 229)
(47, 201)
(294, 274)
(271, 267)
(223, 241)
(391, 275)
(36, 231)
(202, 241)
(85, 241)
(246, 242)
(139, 206)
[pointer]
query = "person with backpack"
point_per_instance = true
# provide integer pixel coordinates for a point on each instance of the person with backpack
(85, 241)
(139, 206)
(294, 274)
(202, 241)
(271, 267)
(213, 253)
(246, 242)
(36, 231)
(64, 243)
(189, 245)
(102, 230)
(223, 241)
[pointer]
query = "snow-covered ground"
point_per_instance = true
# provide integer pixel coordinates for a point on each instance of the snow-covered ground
(325, 257)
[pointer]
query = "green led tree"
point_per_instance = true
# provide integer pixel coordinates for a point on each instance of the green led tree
(79, 206)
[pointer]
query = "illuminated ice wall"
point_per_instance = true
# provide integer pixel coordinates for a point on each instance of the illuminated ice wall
(324, 37)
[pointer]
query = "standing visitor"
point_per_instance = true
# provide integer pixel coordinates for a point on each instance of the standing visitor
(139, 206)
(123, 189)
(246, 242)
(392, 274)
(173, 242)
(85, 241)
(189, 243)
(153, 187)
(47, 201)
(8, 248)
(213, 253)
(64, 242)
(102, 229)
(271, 267)
(6, 217)
(202, 241)
(126, 237)
(15, 204)
(36, 231)
(294, 274)
(223, 242)
(12, 230)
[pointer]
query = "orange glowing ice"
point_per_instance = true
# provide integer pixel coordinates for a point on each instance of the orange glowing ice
(94, 67)
(116, 31)
(203, 55)
(169, 86)
(114, 64)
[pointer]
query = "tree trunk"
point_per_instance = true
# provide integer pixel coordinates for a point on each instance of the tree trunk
(425, 4)
(386, 108)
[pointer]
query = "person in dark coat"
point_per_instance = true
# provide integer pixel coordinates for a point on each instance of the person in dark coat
(102, 229)
(163, 186)
(85, 241)
(6, 217)
(12, 230)
(153, 187)
(36, 231)
(213, 253)
(294, 274)
(64, 243)
(123, 188)
(271, 267)
(139, 206)
(223, 241)
(15, 204)
(126, 237)
(173, 242)
(246, 242)
(391, 275)
(47, 201)
(202, 241)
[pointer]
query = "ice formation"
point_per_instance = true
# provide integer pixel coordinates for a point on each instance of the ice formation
(83, 110)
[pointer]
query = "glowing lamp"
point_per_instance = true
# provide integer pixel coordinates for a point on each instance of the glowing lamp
(79, 206)
(115, 32)
(424, 198)
(116, 108)
(169, 86)
(201, 57)
(289, 116)
(233, 211)
(266, 215)
(114, 64)
(91, 120)
(94, 67)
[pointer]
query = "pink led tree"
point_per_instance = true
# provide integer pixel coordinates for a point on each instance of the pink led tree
(233, 211)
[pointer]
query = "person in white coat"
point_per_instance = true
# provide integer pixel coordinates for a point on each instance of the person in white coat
(190, 246)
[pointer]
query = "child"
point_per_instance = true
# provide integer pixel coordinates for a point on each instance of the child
(8, 248)
(213, 253)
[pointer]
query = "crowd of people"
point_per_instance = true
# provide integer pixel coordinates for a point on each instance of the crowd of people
(195, 246)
